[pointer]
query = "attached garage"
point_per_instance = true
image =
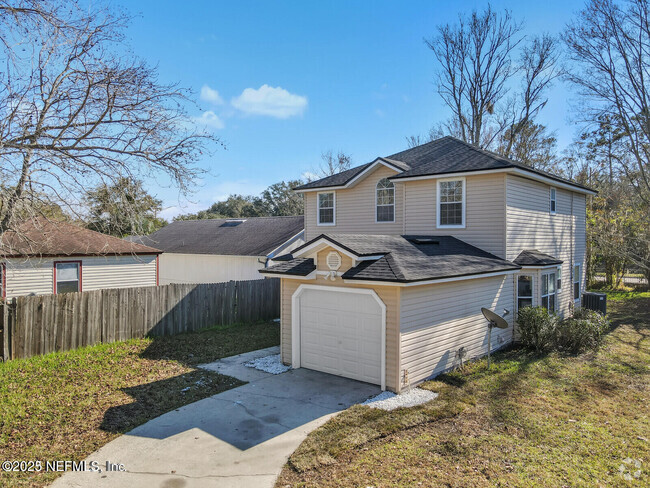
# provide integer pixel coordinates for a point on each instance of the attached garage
(390, 310)
(340, 331)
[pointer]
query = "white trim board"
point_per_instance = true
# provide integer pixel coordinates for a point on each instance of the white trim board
(353, 181)
(295, 322)
(432, 282)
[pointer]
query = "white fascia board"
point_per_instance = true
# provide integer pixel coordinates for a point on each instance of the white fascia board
(433, 282)
(353, 181)
(517, 171)
(286, 243)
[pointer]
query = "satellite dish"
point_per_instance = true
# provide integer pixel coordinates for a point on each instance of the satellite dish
(494, 320)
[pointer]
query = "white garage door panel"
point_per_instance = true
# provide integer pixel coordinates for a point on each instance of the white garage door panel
(340, 333)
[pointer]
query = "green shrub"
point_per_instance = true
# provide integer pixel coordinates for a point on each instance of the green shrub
(584, 331)
(537, 328)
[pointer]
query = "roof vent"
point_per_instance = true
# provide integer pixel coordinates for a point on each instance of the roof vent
(425, 240)
(232, 222)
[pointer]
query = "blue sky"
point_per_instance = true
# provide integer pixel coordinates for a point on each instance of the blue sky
(290, 80)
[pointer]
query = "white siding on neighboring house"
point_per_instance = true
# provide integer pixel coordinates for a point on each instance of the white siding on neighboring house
(437, 320)
(530, 225)
(36, 276)
(484, 212)
(355, 209)
(118, 272)
(208, 268)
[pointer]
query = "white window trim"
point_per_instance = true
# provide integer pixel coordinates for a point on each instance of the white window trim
(541, 290)
(464, 203)
(532, 289)
(376, 205)
(318, 222)
(551, 199)
(575, 280)
(295, 322)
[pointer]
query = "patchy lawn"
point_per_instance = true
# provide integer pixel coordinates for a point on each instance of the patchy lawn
(66, 405)
(531, 421)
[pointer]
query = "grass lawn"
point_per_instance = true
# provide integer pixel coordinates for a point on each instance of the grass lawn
(66, 405)
(545, 421)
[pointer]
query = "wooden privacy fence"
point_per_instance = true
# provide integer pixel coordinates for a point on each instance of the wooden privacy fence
(42, 324)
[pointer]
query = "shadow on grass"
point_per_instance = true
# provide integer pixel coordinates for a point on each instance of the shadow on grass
(190, 349)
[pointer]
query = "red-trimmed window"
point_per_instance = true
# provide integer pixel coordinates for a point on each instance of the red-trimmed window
(67, 276)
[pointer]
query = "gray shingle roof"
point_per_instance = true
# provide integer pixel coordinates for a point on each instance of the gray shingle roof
(533, 257)
(295, 267)
(256, 236)
(442, 156)
(413, 258)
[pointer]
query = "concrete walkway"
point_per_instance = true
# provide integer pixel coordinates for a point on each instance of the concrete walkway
(238, 438)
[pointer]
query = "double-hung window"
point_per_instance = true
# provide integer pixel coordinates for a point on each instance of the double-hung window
(67, 277)
(552, 201)
(548, 292)
(385, 201)
(451, 203)
(576, 282)
(524, 292)
(326, 208)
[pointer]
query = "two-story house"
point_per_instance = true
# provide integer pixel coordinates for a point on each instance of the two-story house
(402, 253)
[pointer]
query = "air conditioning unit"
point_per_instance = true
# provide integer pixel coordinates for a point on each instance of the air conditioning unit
(595, 301)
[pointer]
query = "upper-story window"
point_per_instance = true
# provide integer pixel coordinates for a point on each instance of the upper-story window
(451, 203)
(385, 201)
(553, 201)
(326, 208)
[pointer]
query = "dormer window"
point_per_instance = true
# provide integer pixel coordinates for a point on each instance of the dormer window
(385, 201)
(326, 208)
(451, 203)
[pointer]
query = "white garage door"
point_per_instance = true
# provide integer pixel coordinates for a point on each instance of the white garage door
(340, 333)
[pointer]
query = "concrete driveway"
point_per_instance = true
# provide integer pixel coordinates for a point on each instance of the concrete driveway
(238, 438)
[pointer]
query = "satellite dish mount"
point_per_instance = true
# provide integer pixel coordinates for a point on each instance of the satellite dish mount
(494, 320)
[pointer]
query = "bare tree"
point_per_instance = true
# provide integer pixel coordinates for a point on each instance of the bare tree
(333, 163)
(78, 110)
(477, 58)
(610, 47)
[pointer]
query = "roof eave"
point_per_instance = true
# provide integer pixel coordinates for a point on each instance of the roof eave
(447, 279)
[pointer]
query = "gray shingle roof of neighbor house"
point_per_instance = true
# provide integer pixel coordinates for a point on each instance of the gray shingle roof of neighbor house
(41, 237)
(295, 267)
(405, 259)
(443, 156)
(252, 236)
(533, 257)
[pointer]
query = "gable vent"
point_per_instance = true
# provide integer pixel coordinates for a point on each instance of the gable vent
(333, 261)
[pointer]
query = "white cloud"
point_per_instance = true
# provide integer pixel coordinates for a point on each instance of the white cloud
(210, 119)
(267, 100)
(210, 95)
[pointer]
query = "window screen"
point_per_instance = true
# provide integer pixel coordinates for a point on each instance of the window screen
(451, 202)
(67, 277)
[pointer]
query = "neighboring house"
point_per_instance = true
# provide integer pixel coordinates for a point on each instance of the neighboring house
(403, 252)
(45, 257)
(216, 250)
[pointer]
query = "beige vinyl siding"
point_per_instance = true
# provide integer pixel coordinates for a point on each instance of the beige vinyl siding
(321, 260)
(388, 294)
(530, 225)
(484, 212)
(355, 209)
(208, 268)
(437, 320)
(36, 276)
